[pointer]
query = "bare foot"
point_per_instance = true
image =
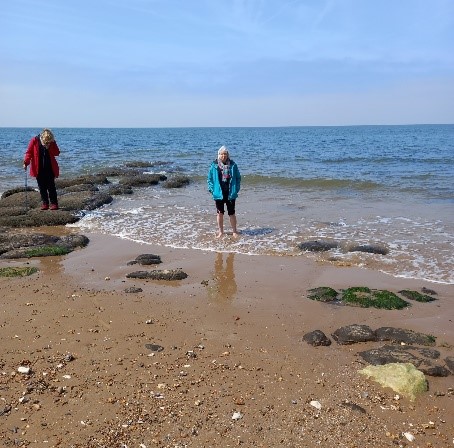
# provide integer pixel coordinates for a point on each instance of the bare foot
(219, 234)
(235, 235)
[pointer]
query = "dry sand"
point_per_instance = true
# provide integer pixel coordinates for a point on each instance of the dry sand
(232, 338)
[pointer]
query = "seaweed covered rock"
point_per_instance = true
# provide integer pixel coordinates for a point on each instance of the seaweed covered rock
(30, 245)
(322, 294)
(365, 297)
(417, 296)
(17, 271)
(402, 378)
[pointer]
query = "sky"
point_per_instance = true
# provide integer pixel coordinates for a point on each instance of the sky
(184, 63)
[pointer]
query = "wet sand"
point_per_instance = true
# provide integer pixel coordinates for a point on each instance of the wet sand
(232, 347)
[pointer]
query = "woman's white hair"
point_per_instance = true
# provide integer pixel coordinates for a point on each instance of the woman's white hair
(47, 136)
(222, 149)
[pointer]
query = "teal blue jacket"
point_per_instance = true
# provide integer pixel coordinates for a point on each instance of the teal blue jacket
(214, 184)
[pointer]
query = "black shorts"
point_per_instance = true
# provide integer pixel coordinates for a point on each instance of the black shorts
(230, 206)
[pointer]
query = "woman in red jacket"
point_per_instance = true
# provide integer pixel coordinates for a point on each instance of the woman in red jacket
(40, 155)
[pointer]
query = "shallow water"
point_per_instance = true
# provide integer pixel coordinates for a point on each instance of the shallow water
(389, 185)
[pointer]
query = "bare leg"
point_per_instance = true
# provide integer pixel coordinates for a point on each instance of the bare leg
(233, 224)
(220, 220)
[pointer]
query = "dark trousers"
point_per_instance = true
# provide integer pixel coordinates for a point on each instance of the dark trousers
(47, 190)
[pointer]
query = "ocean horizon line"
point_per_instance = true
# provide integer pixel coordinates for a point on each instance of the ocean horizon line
(234, 127)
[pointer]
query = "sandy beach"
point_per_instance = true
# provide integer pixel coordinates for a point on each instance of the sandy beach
(231, 368)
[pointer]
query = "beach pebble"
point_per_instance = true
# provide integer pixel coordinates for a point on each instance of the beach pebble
(409, 436)
(24, 369)
(237, 416)
(316, 404)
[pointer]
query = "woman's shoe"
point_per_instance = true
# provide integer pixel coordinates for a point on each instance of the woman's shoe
(45, 206)
(54, 206)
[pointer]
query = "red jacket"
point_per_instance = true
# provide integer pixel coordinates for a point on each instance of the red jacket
(32, 157)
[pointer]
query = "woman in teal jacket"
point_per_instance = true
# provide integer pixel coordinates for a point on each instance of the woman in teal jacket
(224, 180)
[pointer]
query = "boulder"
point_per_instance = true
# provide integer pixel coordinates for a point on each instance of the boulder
(317, 338)
(352, 334)
(402, 378)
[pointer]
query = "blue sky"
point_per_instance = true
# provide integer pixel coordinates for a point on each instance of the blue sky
(153, 63)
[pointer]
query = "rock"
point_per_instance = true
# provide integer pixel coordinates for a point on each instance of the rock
(146, 259)
(317, 338)
(322, 294)
(24, 369)
(450, 363)
(117, 190)
(370, 248)
(417, 296)
(352, 334)
(142, 180)
(96, 179)
(316, 404)
(176, 182)
(404, 379)
(419, 357)
(80, 187)
(133, 290)
(435, 370)
(317, 246)
(154, 347)
(172, 274)
(388, 355)
(365, 297)
(30, 245)
(353, 407)
(425, 290)
(406, 336)
(7, 193)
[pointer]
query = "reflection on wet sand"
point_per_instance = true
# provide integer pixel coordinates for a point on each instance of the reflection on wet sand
(224, 286)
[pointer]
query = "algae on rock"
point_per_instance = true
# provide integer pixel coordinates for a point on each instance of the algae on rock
(403, 378)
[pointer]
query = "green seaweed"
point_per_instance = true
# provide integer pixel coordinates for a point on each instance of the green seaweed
(417, 296)
(365, 297)
(46, 251)
(322, 294)
(17, 271)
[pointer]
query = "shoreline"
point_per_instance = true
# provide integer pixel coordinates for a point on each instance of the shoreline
(226, 349)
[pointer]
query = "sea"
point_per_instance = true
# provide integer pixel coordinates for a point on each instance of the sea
(391, 186)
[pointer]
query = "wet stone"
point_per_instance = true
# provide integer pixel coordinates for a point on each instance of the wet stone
(146, 259)
(166, 274)
(370, 249)
(317, 246)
